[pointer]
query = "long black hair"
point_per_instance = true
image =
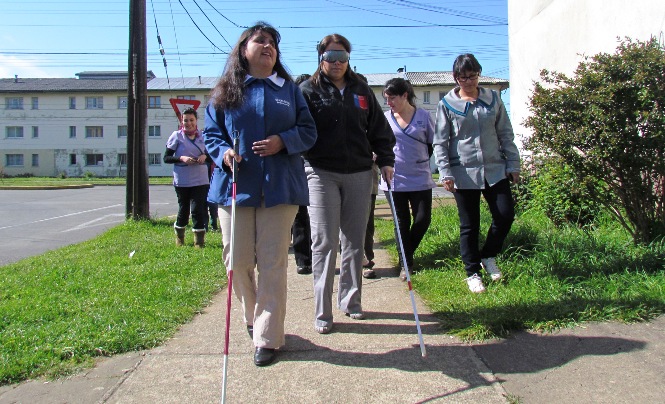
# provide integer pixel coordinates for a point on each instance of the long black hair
(229, 90)
(398, 86)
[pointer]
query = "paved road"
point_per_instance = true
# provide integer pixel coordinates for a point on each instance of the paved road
(35, 221)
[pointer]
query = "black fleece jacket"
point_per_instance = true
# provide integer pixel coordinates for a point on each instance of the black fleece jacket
(350, 127)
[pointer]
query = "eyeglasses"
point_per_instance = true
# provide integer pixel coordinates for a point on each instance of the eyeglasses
(332, 56)
(464, 79)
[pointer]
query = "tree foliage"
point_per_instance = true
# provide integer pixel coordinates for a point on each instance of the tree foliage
(607, 123)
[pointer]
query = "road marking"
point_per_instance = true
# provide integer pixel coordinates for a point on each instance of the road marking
(98, 222)
(60, 217)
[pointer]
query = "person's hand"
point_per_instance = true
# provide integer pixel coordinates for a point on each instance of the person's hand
(188, 160)
(514, 177)
(387, 173)
(201, 159)
(271, 145)
(229, 156)
(449, 185)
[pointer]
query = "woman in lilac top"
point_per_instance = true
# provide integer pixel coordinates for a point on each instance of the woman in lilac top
(186, 151)
(412, 184)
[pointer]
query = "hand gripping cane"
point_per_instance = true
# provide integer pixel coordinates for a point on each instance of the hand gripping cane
(229, 271)
(406, 269)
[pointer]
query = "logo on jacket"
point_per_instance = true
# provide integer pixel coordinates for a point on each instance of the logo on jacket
(361, 101)
(282, 102)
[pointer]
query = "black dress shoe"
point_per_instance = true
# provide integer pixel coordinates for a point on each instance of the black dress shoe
(304, 270)
(264, 356)
(250, 331)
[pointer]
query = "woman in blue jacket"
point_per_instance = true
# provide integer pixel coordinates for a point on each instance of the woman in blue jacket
(476, 154)
(256, 101)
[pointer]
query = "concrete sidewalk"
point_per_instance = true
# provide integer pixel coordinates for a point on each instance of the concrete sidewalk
(376, 360)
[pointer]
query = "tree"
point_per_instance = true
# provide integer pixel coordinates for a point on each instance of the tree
(607, 123)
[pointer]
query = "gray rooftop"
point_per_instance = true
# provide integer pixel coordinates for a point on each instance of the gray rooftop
(37, 85)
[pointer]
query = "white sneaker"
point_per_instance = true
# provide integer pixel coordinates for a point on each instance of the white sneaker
(490, 266)
(475, 284)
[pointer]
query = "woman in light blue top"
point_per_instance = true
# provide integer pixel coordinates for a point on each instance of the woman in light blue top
(476, 154)
(412, 183)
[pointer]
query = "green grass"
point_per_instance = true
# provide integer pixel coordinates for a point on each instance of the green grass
(60, 310)
(553, 277)
(55, 181)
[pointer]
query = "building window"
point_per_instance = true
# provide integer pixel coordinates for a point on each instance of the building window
(72, 159)
(154, 131)
(14, 160)
(186, 97)
(154, 159)
(122, 130)
(94, 131)
(122, 102)
(425, 97)
(94, 102)
(441, 94)
(35, 160)
(72, 102)
(72, 132)
(35, 132)
(154, 102)
(35, 102)
(13, 102)
(122, 159)
(14, 132)
(94, 159)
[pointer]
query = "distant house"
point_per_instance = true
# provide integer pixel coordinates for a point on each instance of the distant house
(73, 126)
(557, 34)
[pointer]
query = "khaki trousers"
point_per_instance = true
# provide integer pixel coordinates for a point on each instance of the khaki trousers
(260, 265)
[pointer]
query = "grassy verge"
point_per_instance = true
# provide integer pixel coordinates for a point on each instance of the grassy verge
(53, 181)
(553, 277)
(60, 310)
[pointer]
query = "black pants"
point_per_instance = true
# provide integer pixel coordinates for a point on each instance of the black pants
(416, 204)
(302, 238)
(500, 202)
(194, 200)
(369, 232)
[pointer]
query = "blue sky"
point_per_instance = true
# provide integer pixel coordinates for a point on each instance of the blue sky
(46, 38)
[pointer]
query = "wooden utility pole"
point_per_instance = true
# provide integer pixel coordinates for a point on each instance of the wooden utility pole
(138, 205)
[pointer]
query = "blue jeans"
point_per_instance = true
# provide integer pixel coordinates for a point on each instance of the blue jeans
(500, 202)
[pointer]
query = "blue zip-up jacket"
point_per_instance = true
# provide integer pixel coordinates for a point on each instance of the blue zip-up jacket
(272, 106)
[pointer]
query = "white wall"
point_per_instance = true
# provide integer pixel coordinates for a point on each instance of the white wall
(555, 34)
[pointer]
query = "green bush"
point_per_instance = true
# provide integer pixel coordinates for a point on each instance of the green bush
(558, 192)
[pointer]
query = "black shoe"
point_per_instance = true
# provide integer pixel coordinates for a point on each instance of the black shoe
(369, 264)
(304, 269)
(250, 331)
(264, 356)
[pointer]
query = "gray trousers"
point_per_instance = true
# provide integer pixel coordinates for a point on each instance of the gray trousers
(338, 211)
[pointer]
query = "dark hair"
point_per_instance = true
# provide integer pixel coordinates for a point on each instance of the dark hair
(190, 111)
(301, 78)
(399, 86)
(349, 75)
(229, 90)
(466, 63)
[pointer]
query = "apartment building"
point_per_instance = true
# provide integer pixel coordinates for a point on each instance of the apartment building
(78, 126)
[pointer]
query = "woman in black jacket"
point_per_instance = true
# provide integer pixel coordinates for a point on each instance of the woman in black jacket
(350, 126)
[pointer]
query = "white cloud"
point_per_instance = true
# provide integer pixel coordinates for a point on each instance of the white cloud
(12, 65)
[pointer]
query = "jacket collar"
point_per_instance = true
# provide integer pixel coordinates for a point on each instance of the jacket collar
(459, 106)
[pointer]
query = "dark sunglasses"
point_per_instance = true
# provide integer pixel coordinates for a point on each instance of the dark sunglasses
(332, 56)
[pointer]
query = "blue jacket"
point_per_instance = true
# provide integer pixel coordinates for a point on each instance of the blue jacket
(272, 106)
(474, 141)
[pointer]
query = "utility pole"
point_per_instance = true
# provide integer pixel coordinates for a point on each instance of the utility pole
(137, 205)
